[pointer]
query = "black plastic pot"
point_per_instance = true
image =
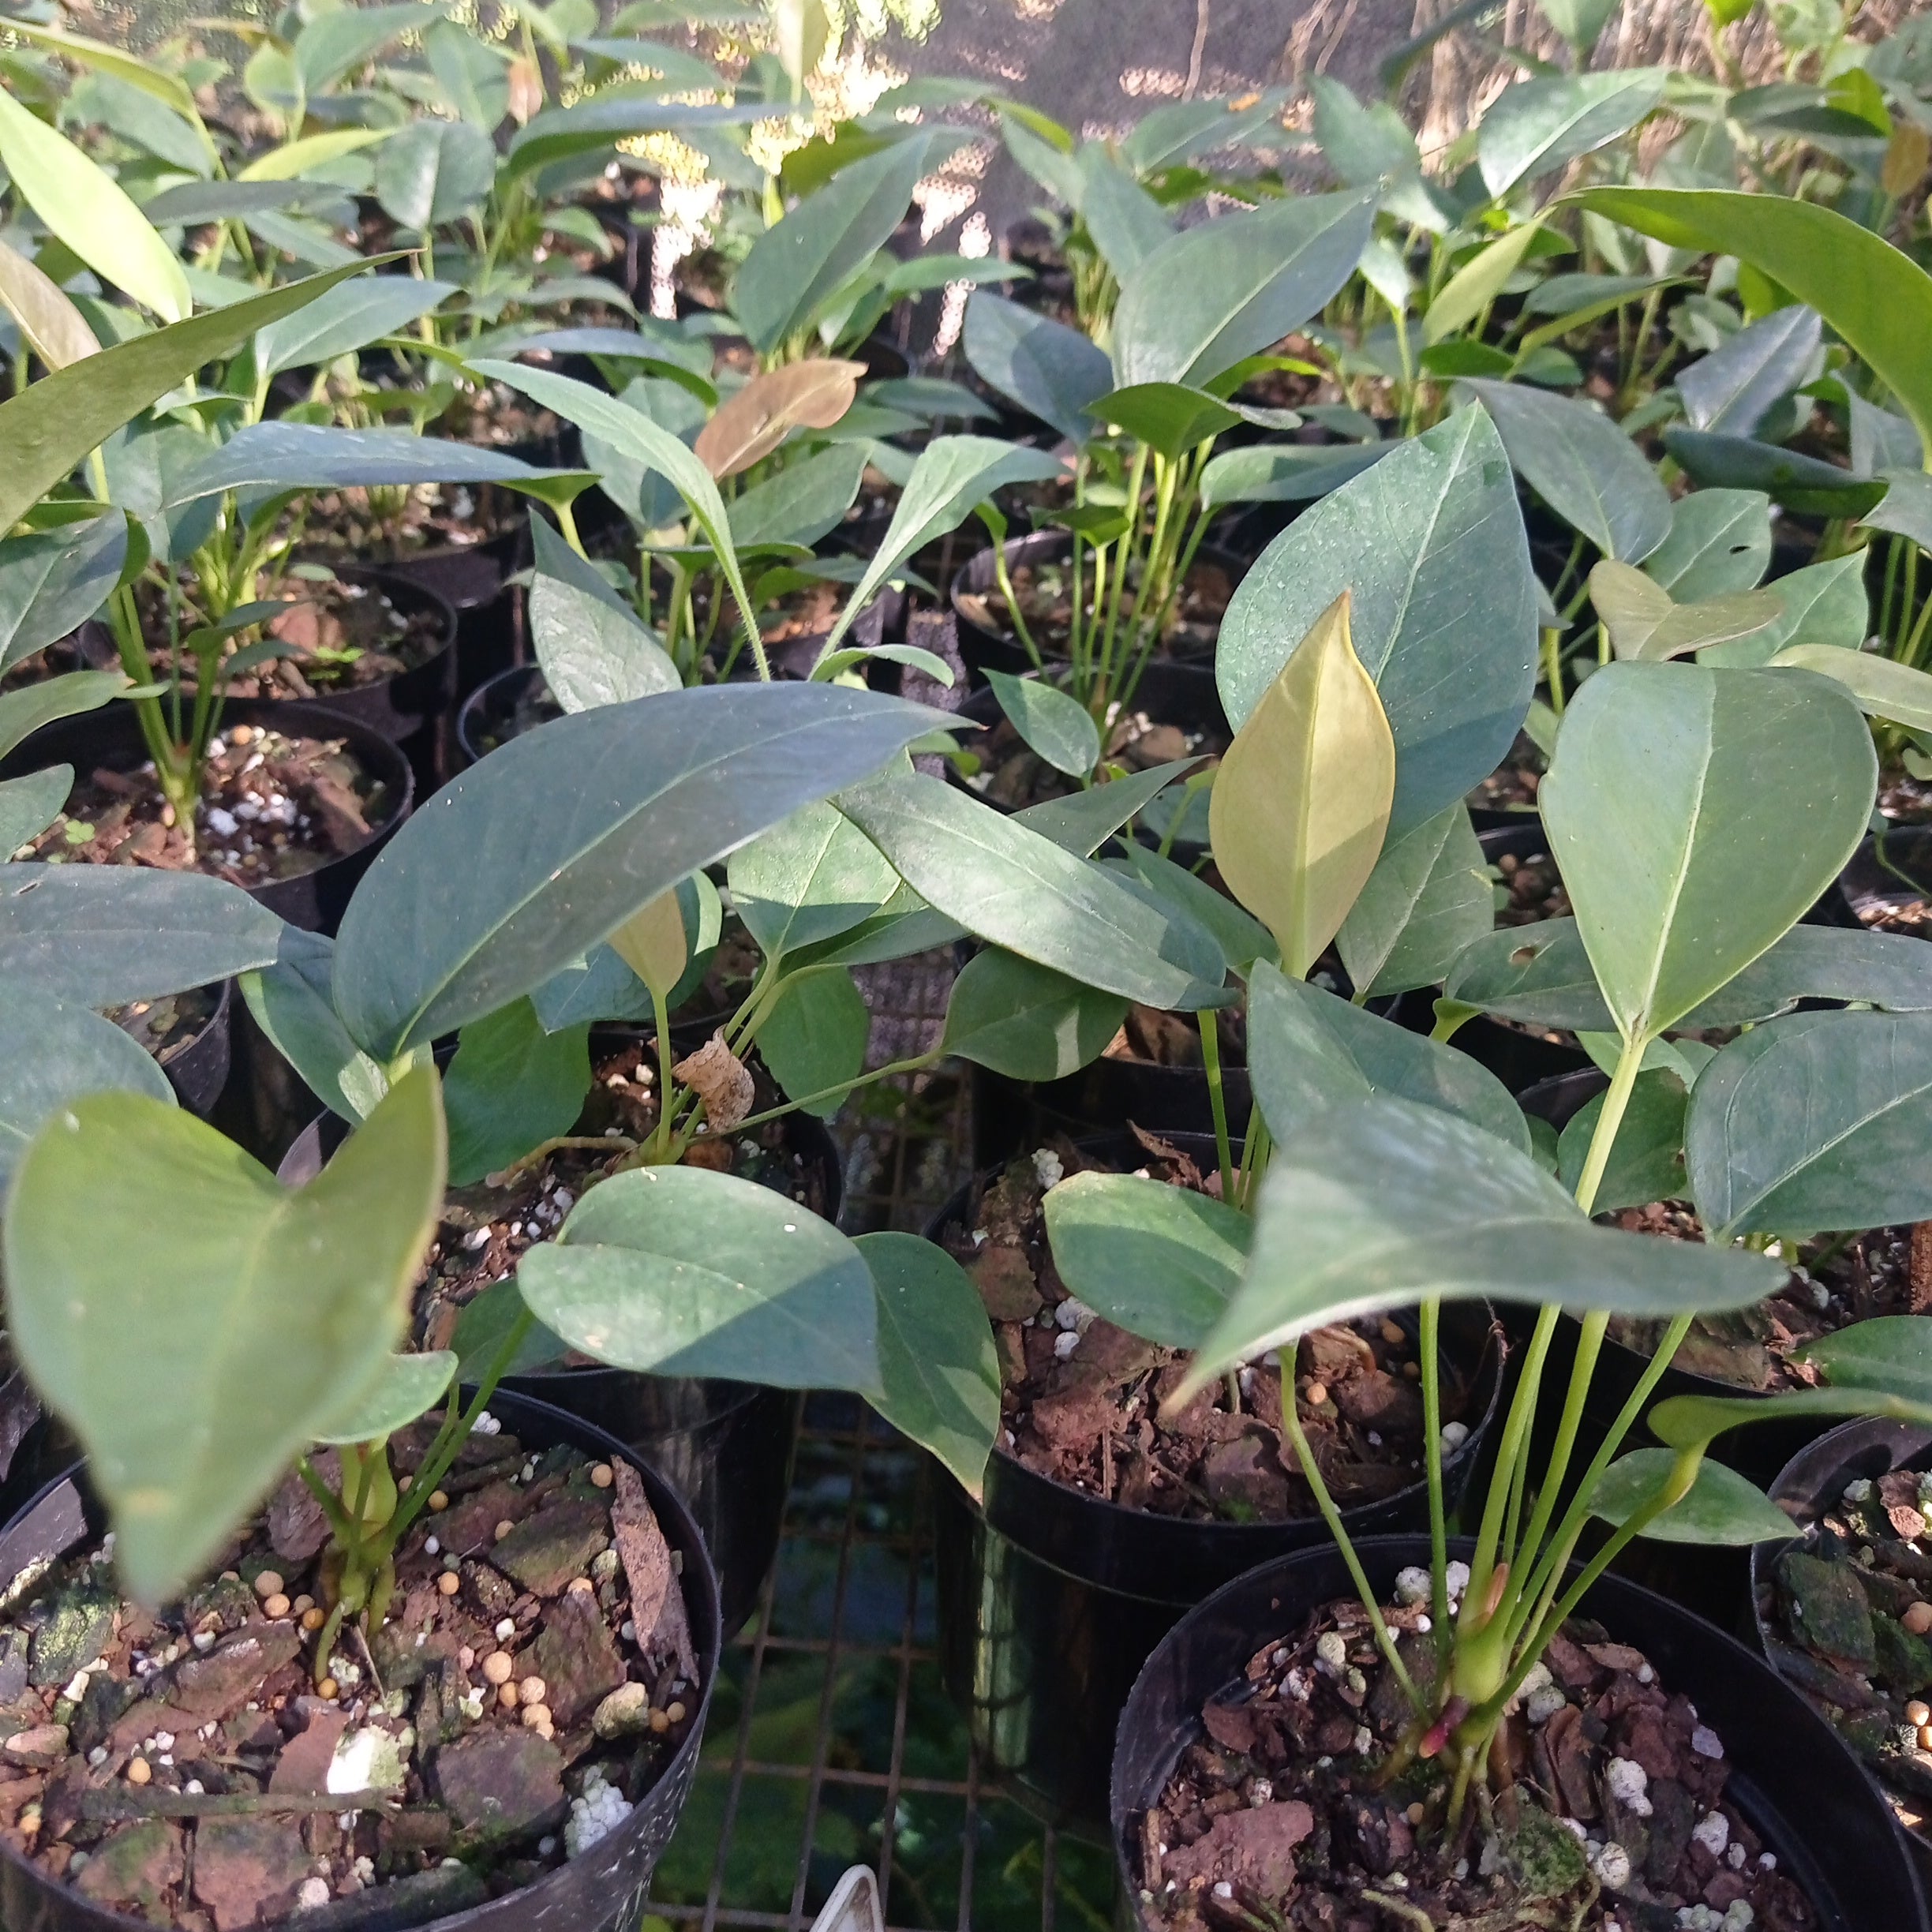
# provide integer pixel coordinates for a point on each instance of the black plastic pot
(313, 900)
(1794, 1781)
(602, 1890)
(1890, 869)
(1050, 1599)
(473, 579)
(199, 1071)
(727, 1446)
(1806, 1487)
(985, 648)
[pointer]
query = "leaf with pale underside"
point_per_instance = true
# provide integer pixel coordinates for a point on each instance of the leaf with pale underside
(684, 1270)
(1645, 621)
(593, 649)
(1302, 803)
(1881, 686)
(408, 1386)
(51, 326)
(812, 394)
(1377, 1203)
(1696, 815)
(257, 1314)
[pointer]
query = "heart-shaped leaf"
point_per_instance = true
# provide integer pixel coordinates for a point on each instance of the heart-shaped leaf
(1301, 801)
(1026, 1021)
(1723, 1510)
(939, 1379)
(512, 1086)
(683, 1270)
(1696, 816)
(813, 877)
(1823, 604)
(812, 394)
(1429, 545)
(1814, 1123)
(1645, 621)
(1161, 1262)
(593, 651)
(257, 1313)
(1166, 416)
(1428, 897)
(1049, 369)
(1376, 1203)
(1719, 541)
(1052, 723)
(484, 894)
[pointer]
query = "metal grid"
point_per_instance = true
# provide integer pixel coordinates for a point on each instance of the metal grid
(832, 1740)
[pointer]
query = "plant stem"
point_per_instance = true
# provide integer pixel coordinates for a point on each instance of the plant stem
(916, 1064)
(1603, 1138)
(1430, 1343)
(1211, 1059)
(1553, 668)
(1021, 629)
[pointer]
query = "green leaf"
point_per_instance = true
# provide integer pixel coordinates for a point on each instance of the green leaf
(1823, 604)
(1177, 130)
(431, 173)
(52, 1052)
(1242, 938)
(1692, 1421)
(84, 207)
(408, 1386)
(815, 1038)
(1004, 881)
(634, 483)
(1309, 1050)
(939, 1379)
(1645, 621)
(470, 74)
(49, 324)
(1167, 417)
(1722, 1511)
(593, 651)
(1026, 1021)
(1814, 1123)
(803, 502)
(594, 126)
(290, 1003)
(136, 116)
(1647, 1156)
(1906, 508)
(1892, 1353)
(1467, 294)
(256, 1316)
(1719, 542)
(1124, 220)
(496, 893)
(1376, 1203)
(24, 711)
(1230, 288)
(952, 477)
(682, 1271)
(1877, 298)
(806, 880)
(1580, 22)
(108, 935)
(1056, 726)
(29, 805)
(798, 264)
(510, 1087)
(1428, 896)
(1696, 815)
(346, 318)
(1881, 686)
(102, 58)
(1799, 482)
(1285, 473)
(1430, 545)
(294, 159)
(1582, 466)
(1161, 1262)
(1536, 127)
(334, 43)
(1732, 389)
(1371, 145)
(1301, 801)
(1051, 371)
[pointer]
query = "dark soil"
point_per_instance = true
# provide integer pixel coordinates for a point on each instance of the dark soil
(1171, 1039)
(1847, 1623)
(1530, 890)
(1281, 1818)
(1013, 776)
(357, 525)
(1046, 595)
(486, 1227)
(1904, 799)
(166, 1028)
(203, 1767)
(1887, 1271)
(1513, 784)
(54, 660)
(1083, 1413)
(272, 807)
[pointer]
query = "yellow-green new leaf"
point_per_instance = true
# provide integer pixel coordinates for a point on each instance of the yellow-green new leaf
(1645, 620)
(86, 208)
(197, 1323)
(1476, 284)
(293, 159)
(55, 329)
(652, 944)
(1884, 688)
(1301, 804)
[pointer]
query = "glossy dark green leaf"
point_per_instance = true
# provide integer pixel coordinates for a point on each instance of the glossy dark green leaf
(803, 503)
(25, 710)
(1647, 1156)
(797, 264)
(106, 935)
(683, 1270)
(1285, 473)
(1012, 886)
(1377, 1202)
(1055, 724)
(29, 805)
(593, 649)
(532, 856)
(1732, 389)
(1428, 896)
(512, 1086)
(1536, 127)
(939, 1378)
(50, 428)
(808, 879)
(1889, 1352)
(1026, 1021)
(1309, 1051)
(53, 582)
(1167, 417)
(1231, 288)
(408, 1386)
(346, 318)
(1161, 1262)
(815, 1038)
(1582, 466)
(593, 126)
(1813, 1123)
(1124, 220)
(256, 1315)
(53, 1051)
(1049, 369)
(1696, 815)
(1242, 938)
(1430, 544)
(291, 1002)
(1722, 1510)
(1719, 542)
(1799, 482)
